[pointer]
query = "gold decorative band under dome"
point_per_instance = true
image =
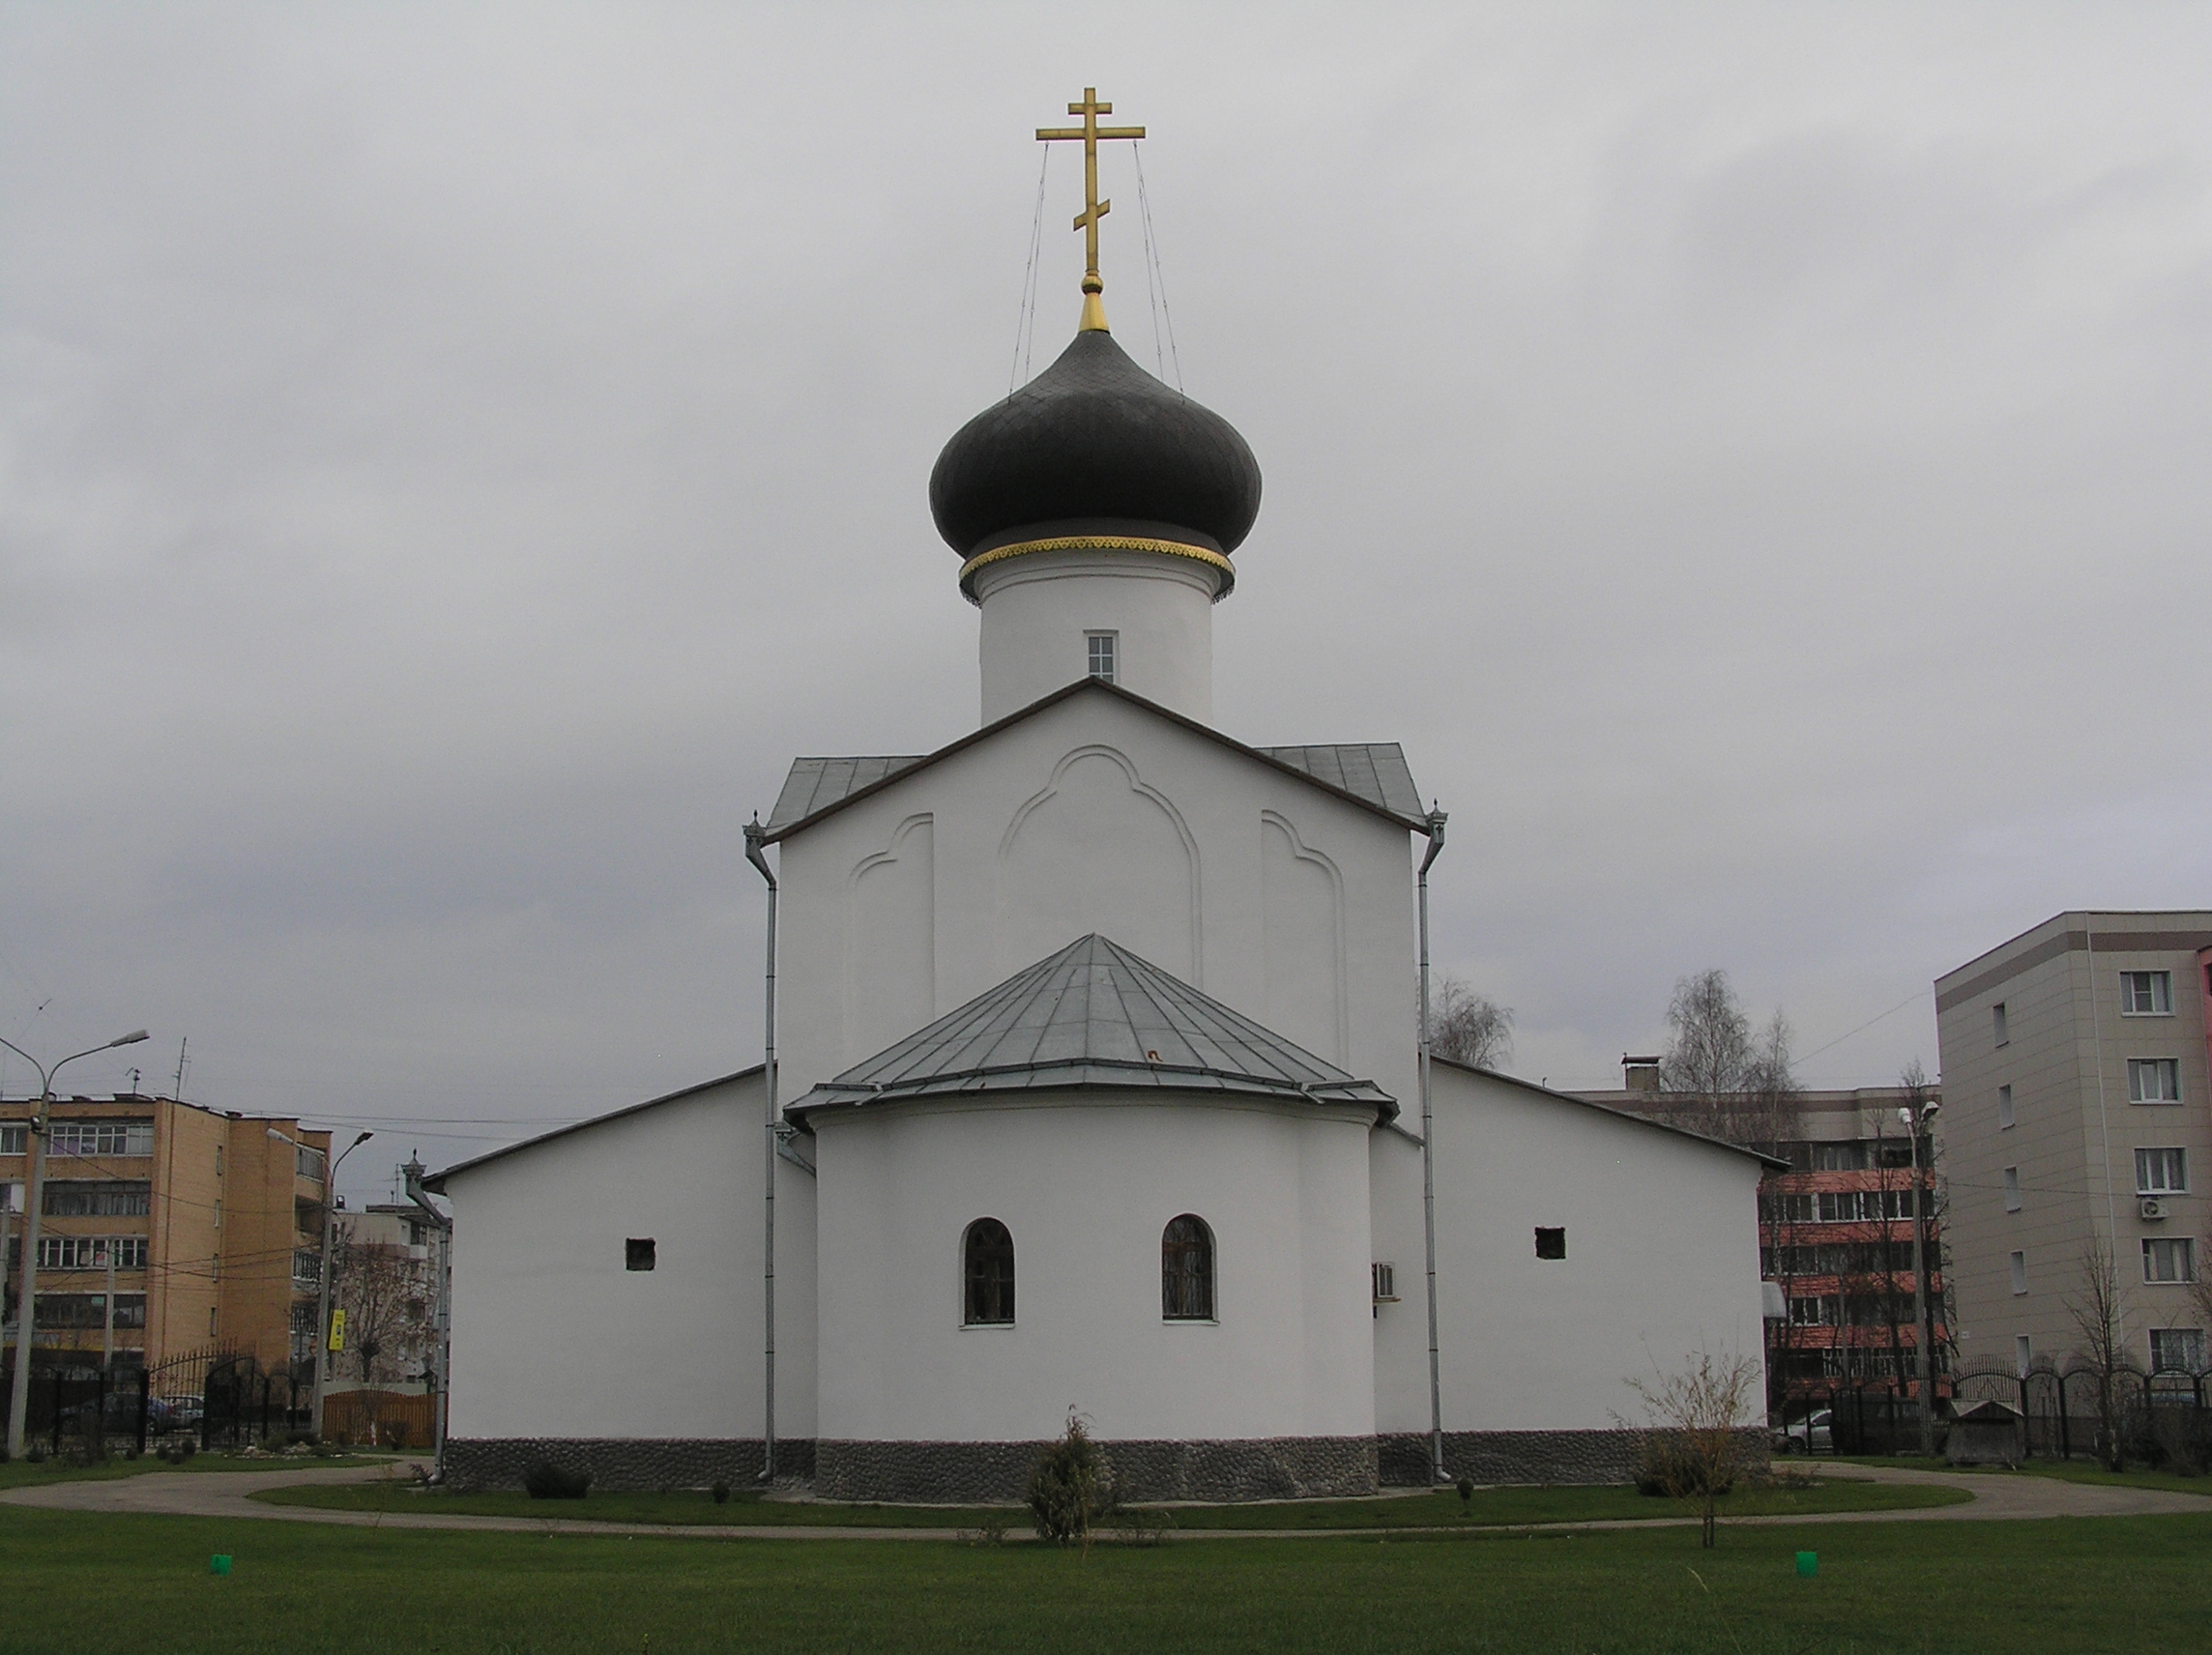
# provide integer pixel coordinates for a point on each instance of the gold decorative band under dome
(1097, 543)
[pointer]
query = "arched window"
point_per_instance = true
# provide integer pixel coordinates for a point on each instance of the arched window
(1187, 1271)
(987, 1268)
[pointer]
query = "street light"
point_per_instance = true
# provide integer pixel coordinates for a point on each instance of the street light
(323, 1306)
(19, 1394)
(1923, 1332)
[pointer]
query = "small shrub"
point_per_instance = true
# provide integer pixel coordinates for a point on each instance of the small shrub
(36, 1454)
(1466, 1492)
(1072, 1488)
(547, 1481)
(720, 1491)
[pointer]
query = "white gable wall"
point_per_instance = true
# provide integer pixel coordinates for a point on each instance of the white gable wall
(554, 1337)
(1251, 884)
(1662, 1260)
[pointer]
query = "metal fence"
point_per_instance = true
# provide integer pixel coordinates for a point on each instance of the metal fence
(213, 1398)
(2158, 1418)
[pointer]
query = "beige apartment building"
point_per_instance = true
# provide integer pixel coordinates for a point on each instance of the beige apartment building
(2077, 1115)
(211, 1223)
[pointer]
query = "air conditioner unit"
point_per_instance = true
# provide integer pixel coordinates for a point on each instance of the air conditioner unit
(2150, 1207)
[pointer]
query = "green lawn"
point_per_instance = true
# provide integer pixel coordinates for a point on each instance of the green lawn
(1488, 1506)
(2065, 1470)
(21, 1473)
(122, 1585)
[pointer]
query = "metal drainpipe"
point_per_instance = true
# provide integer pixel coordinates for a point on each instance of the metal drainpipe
(755, 839)
(1437, 1472)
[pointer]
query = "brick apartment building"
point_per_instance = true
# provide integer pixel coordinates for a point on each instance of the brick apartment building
(209, 1221)
(1835, 1234)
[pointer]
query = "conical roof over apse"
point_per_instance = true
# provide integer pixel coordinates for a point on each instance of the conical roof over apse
(1095, 444)
(1095, 1015)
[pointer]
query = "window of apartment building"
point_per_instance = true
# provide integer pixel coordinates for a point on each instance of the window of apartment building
(1788, 1207)
(307, 1162)
(88, 1198)
(2177, 1348)
(2012, 1189)
(2146, 994)
(2019, 1262)
(90, 1310)
(2005, 1106)
(2154, 1080)
(2162, 1172)
(100, 1138)
(15, 1137)
(11, 1197)
(307, 1268)
(2168, 1258)
(1998, 1024)
(2023, 1353)
(1103, 646)
(91, 1251)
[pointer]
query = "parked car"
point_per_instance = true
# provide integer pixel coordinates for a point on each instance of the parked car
(174, 1413)
(1813, 1435)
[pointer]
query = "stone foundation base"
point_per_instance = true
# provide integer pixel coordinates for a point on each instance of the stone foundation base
(1523, 1456)
(954, 1473)
(623, 1462)
(1279, 1468)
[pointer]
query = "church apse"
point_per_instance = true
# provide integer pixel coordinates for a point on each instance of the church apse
(1096, 849)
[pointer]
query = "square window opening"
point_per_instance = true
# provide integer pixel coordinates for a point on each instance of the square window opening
(2154, 1080)
(2177, 1350)
(2168, 1259)
(2162, 1172)
(639, 1253)
(2146, 994)
(1551, 1243)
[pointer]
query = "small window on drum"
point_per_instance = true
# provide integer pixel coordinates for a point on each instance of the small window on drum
(639, 1253)
(1187, 1271)
(987, 1274)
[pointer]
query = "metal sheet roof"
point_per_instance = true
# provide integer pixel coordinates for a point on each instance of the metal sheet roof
(1095, 1015)
(816, 784)
(1373, 771)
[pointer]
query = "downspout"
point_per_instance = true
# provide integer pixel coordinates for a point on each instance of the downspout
(1437, 1472)
(755, 838)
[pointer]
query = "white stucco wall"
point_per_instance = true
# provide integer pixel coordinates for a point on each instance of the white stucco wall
(1038, 608)
(1290, 905)
(1662, 1260)
(1086, 1183)
(554, 1337)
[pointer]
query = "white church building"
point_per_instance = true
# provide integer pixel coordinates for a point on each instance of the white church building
(1095, 1083)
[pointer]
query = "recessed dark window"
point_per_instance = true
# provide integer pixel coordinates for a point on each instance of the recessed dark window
(637, 1253)
(1551, 1243)
(1187, 1271)
(987, 1265)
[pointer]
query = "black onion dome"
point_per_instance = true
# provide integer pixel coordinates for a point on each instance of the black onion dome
(1094, 444)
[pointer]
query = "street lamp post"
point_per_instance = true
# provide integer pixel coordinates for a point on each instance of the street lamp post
(323, 1306)
(26, 1307)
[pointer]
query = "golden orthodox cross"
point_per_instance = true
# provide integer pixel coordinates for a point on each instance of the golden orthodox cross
(1094, 209)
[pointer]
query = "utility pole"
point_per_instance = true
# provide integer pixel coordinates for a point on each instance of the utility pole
(107, 1307)
(26, 1307)
(1918, 1122)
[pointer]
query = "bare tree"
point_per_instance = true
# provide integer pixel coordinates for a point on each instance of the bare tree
(1468, 1028)
(1701, 1429)
(386, 1312)
(1720, 1075)
(2096, 1313)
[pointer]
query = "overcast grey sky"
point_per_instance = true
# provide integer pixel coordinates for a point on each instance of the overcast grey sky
(1753, 457)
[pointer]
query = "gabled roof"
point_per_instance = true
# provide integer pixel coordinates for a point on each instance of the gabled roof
(435, 1183)
(1516, 1081)
(1095, 1015)
(1371, 774)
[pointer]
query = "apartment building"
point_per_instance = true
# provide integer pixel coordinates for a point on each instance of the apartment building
(2080, 1122)
(1835, 1232)
(206, 1224)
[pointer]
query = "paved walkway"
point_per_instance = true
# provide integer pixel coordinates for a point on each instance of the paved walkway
(225, 1495)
